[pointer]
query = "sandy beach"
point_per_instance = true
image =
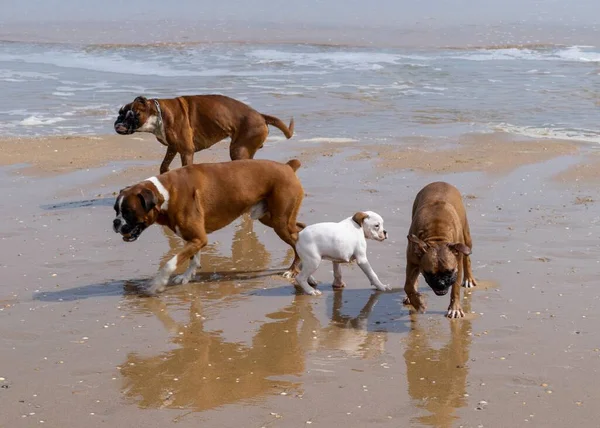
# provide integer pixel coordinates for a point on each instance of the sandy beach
(239, 347)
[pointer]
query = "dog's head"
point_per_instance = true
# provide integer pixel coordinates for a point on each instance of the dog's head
(372, 225)
(134, 116)
(136, 208)
(438, 262)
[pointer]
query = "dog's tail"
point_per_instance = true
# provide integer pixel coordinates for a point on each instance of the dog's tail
(294, 164)
(288, 131)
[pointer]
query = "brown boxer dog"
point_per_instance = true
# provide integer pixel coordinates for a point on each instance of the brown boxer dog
(196, 200)
(189, 124)
(439, 245)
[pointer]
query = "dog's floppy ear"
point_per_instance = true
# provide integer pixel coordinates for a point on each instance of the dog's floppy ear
(148, 199)
(141, 99)
(360, 217)
(460, 248)
(420, 247)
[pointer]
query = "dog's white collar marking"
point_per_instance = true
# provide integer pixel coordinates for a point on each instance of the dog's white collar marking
(160, 127)
(120, 215)
(154, 124)
(162, 190)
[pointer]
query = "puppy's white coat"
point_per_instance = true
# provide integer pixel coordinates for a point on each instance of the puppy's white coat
(340, 242)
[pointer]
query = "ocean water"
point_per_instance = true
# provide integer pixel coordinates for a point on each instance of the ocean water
(343, 92)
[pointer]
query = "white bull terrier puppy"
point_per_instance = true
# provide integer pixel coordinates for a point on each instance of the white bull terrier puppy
(340, 242)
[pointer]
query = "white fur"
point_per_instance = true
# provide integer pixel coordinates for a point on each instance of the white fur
(455, 313)
(153, 126)
(122, 221)
(162, 190)
(467, 283)
(160, 281)
(341, 243)
(258, 210)
(185, 277)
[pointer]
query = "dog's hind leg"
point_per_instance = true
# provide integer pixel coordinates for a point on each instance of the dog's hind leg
(310, 263)
(282, 218)
(245, 146)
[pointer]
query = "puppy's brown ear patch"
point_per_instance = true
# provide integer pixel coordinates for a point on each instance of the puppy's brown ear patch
(460, 248)
(420, 247)
(141, 99)
(359, 217)
(148, 199)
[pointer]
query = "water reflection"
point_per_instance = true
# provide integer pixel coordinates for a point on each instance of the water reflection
(247, 252)
(351, 334)
(436, 367)
(205, 371)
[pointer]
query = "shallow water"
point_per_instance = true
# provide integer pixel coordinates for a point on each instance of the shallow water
(369, 94)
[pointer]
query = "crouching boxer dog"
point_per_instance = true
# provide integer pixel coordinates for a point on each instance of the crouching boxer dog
(439, 245)
(192, 123)
(340, 242)
(196, 200)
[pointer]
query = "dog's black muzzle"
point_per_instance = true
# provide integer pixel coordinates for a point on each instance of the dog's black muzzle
(126, 123)
(129, 233)
(440, 283)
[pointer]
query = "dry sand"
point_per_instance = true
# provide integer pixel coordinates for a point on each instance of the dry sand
(240, 348)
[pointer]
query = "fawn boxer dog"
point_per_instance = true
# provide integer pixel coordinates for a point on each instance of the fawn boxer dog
(196, 200)
(189, 124)
(439, 246)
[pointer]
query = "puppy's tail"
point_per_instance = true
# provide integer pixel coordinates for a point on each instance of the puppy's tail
(294, 164)
(288, 131)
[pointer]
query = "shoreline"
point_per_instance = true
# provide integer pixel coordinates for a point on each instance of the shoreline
(493, 153)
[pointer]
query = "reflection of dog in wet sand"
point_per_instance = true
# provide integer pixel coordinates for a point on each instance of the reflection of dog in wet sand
(340, 242)
(350, 333)
(205, 371)
(439, 246)
(248, 254)
(196, 200)
(437, 375)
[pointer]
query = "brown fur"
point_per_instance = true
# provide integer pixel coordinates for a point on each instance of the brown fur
(194, 123)
(439, 240)
(359, 217)
(204, 198)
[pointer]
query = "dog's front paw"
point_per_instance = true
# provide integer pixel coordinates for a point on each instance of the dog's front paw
(313, 292)
(416, 301)
(455, 311)
(469, 282)
(382, 287)
(182, 279)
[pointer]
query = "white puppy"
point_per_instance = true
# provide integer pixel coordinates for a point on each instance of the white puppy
(340, 242)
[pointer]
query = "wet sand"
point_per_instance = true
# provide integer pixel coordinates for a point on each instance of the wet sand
(239, 347)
